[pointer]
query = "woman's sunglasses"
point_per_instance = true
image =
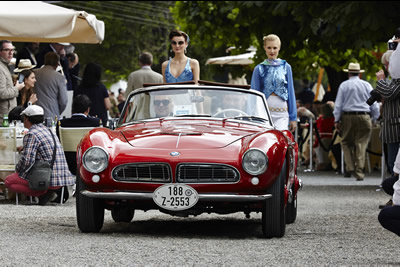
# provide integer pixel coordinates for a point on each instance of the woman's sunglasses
(165, 102)
(179, 43)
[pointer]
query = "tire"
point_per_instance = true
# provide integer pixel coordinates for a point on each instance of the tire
(89, 211)
(122, 214)
(291, 211)
(273, 214)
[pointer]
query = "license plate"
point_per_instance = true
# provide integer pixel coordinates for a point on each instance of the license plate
(175, 197)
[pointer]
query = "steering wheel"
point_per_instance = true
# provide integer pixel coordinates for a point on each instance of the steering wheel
(236, 112)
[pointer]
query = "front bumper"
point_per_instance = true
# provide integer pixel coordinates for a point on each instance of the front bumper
(202, 197)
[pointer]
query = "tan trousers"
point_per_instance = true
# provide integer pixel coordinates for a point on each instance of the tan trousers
(356, 131)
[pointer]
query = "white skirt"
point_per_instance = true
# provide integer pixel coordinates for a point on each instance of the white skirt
(279, 112)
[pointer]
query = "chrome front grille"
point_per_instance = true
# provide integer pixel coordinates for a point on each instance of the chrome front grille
(206, 173)
(143, 172)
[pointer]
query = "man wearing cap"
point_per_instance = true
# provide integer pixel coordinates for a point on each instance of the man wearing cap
(353, 120)
(8, 92)
(38, 144)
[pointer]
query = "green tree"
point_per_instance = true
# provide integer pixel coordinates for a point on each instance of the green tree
(131, 27)
(327, 34)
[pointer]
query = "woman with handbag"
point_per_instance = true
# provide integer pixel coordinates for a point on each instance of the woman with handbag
(41, 156)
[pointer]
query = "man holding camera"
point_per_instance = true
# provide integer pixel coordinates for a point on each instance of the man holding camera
(390, 94)
(353, 120)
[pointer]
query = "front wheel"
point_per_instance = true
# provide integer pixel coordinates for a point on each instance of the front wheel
(273, 214)
(89, 211)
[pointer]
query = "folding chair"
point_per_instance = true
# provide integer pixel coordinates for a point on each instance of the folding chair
(70, 137)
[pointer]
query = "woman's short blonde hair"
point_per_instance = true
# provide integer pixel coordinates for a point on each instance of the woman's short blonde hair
(386, 57)
(272, 38)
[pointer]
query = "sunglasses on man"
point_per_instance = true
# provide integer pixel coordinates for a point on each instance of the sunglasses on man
(165, 102)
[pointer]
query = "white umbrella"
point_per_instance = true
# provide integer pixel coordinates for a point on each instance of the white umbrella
(242, 59)
(36, 21)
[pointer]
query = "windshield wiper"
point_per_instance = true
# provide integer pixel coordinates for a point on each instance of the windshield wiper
(248, 118)
(193, 115)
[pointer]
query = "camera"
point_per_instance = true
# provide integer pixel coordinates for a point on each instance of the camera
(392, 45)
(375, 96)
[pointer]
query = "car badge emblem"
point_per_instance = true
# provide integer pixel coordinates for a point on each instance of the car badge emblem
(175, 153)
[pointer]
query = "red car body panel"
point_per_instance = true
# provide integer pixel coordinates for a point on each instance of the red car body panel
(201, 142)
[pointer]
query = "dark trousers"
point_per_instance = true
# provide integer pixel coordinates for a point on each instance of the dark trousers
(389, 218)
(388, 183)
(392, 148)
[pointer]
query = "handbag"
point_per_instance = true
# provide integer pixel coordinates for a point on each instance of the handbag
(40, 173)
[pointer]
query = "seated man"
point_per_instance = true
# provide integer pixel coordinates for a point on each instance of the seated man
(163, 105)
(38, 144)
(80, 118)
(233, 104)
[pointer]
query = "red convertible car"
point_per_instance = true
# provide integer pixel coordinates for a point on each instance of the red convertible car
(185, 150)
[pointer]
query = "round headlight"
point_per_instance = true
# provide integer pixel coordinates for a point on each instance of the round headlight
(95, 159)
(255, 161)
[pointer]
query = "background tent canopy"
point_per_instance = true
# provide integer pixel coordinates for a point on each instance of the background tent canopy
(36, 21)
(242, 59)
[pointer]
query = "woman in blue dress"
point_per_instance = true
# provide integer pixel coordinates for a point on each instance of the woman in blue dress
(274, 78)
(180, 68)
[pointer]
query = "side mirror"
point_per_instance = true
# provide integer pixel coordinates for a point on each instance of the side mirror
(112, 123)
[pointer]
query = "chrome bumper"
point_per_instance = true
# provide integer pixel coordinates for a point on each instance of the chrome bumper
(202, 197)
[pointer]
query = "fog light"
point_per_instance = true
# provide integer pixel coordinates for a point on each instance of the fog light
(95, 178)
(255, 181)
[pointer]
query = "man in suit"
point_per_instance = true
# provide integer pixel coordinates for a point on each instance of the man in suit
(57, 48)
(28, 52)
(145, 75)
(50, 87)
(80, 118)
(8, 91)
(353, 120)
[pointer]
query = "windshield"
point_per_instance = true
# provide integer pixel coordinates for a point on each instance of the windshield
(217, 103)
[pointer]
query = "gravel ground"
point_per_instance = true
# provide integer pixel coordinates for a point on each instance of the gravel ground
(336, 226)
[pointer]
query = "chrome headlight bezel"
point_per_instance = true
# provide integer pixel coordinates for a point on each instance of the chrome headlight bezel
(103, 157)
(256, 159)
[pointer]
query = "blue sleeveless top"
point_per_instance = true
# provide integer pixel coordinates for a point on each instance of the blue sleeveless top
(186, 75)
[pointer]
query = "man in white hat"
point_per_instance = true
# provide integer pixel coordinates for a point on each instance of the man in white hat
(8, 92)
(353, 120)
(38, 144)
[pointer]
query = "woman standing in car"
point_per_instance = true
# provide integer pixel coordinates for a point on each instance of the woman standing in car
(180, 68)
(274, 78)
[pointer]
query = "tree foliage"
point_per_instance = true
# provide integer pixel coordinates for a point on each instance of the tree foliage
(328, 34)
(131, 27)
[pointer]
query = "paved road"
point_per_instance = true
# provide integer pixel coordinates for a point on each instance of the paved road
(337, 225)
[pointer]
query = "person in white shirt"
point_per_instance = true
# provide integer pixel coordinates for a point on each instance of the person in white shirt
(389, 217)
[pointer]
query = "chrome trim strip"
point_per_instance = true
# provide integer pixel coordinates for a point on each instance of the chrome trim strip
(203, 197)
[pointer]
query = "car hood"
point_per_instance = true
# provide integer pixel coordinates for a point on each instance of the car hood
(174, 135)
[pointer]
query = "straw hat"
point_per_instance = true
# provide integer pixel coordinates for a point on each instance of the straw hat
(354, 68)
(24, 64)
